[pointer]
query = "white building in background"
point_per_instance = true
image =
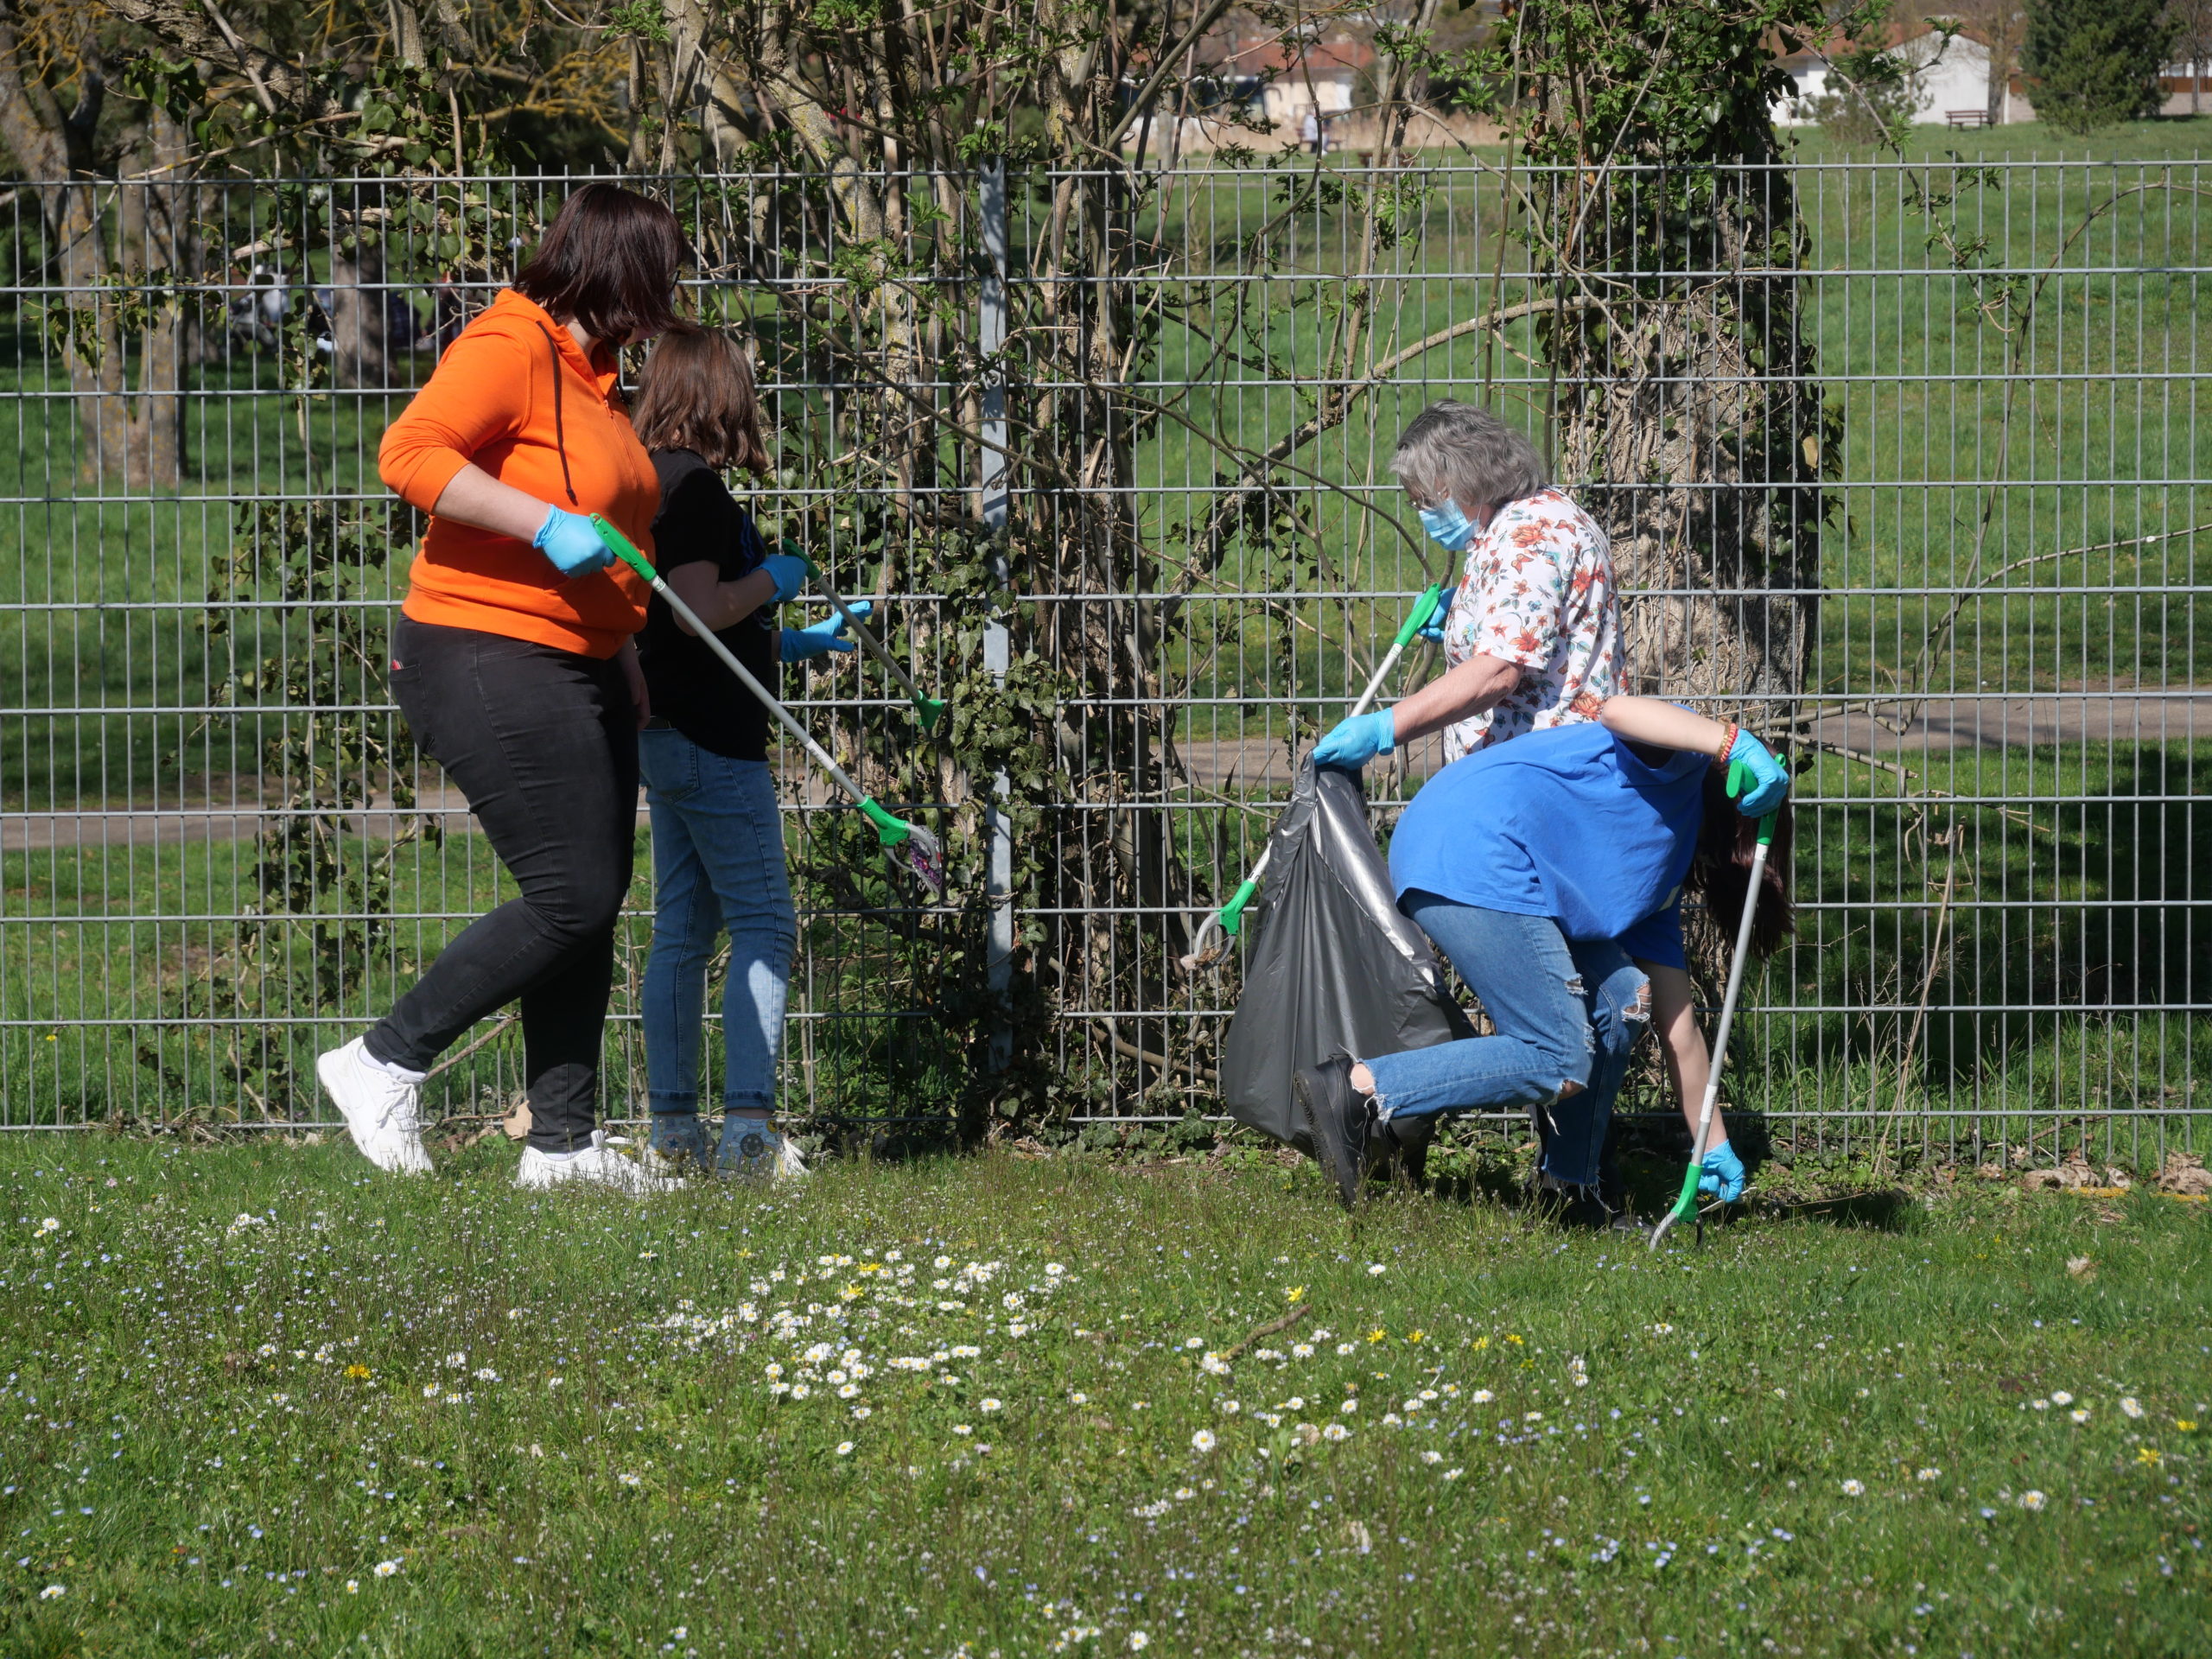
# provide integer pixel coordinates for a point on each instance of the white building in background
(1951, 74)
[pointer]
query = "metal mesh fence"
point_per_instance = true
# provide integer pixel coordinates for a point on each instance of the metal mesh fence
(219, 852)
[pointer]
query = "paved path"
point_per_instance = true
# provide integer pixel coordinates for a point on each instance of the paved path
(1252, 764)
(1944, 724)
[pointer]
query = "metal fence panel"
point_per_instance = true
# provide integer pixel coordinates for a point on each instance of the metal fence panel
(219, 852)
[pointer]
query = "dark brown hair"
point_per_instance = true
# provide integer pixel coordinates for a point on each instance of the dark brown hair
(697, 393)
(608, 262)
(1720, 869)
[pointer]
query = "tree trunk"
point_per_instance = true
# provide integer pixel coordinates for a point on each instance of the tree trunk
(129, 439)
(165, 233)
(1688, 415)
(98, 250)
(359, 336)
(1703, 468)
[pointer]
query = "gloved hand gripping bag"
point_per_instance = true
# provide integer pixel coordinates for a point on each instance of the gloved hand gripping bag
(1330, 968)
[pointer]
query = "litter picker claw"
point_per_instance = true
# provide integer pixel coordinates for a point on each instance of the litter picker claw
(907, 845)
(926, 709)
(1738, 779)
(1223, 925)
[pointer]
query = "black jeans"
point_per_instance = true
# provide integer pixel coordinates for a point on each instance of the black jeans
(543, 744)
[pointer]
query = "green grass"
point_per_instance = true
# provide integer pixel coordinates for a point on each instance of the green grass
(240, 1379)
(97, 934)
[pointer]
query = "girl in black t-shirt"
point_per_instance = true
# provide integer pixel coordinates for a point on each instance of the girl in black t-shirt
(718, 841)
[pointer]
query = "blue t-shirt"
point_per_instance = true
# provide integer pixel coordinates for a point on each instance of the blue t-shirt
(1568, 824)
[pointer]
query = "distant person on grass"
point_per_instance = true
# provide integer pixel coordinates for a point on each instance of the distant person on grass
(514, 664)
(718, 838)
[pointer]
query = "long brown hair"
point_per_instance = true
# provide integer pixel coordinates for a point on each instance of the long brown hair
(608, 262)
(1720, 869)
(697, 393)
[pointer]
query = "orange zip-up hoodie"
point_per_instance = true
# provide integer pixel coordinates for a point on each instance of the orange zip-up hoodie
(516, 396)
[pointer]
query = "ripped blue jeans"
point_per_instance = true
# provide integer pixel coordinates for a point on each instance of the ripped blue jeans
(718, 862)
(1567, 1012)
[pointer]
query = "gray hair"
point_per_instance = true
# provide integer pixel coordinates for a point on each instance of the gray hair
(1466, 453)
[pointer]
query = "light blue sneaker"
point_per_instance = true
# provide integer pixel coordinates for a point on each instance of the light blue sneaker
(754, 1149)
(677, 1144)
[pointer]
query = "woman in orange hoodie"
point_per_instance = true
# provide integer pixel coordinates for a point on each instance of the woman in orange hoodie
(513, 662)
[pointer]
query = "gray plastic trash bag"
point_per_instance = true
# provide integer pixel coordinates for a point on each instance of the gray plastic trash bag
(1331, 968)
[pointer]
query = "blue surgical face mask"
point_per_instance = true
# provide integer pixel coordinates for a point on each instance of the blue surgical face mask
(1446, 524)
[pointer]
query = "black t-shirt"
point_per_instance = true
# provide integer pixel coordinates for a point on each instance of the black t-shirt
(692, 689)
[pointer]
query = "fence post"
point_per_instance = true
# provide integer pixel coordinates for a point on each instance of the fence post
(990, 334)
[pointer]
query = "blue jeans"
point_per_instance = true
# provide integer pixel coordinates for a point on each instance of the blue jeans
(718, 862)
(1566, 1013)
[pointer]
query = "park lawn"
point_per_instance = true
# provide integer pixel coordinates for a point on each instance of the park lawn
(264, 1400)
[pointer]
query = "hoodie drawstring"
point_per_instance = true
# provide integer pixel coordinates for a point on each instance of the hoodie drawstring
(559, 433)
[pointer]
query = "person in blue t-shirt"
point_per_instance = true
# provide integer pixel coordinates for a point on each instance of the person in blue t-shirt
(1550, 871)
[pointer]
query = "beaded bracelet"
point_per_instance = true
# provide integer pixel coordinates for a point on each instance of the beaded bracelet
(1727, 743)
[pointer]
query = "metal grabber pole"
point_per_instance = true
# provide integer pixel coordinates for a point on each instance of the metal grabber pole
(1225, 922)
(907, 845)
(1688, 1202)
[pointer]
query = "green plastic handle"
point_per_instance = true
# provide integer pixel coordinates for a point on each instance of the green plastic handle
(1423, 608)
(1232, 914)
(1686, 1204)
(889, 831)
(1739, 779)
(623, 549)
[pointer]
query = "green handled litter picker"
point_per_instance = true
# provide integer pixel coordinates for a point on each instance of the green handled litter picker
(1220, 930)
(1739, 779)
(907, 845)
(926, 709)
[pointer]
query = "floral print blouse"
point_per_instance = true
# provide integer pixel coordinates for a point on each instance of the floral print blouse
(1538, 590)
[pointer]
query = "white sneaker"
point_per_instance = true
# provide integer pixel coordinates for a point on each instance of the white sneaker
(383, 1113)
(598, 1163)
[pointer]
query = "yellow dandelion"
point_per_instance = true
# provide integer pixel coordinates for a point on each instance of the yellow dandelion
(2147, 1456)
(1377, 1334)
(1293, 1293)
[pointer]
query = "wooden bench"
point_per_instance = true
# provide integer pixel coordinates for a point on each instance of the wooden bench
(1966, 117)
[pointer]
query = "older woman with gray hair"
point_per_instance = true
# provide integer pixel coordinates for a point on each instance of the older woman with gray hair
(1532, 636)
(1532, 639)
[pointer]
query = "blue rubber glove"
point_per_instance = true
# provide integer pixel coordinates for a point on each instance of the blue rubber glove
(788, 572)
(800, 644)
(1435, 631)
(569, 540)
(1355, 741)
(1722, 1174)
(1769, 783)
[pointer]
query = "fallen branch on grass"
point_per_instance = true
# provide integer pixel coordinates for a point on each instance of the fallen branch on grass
(1268, 1329)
